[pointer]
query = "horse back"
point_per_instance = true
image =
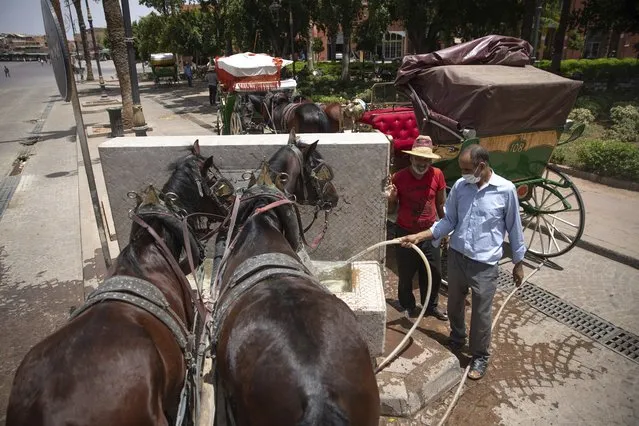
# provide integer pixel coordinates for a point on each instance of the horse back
(295, 352)
(102, 368)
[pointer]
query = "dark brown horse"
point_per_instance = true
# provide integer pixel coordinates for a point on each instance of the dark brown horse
(123, 361)
(288, 351)
(284, 114)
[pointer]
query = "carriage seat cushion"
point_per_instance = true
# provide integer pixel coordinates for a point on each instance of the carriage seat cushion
(399, 122)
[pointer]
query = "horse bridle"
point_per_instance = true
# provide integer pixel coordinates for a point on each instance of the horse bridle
(321, 176)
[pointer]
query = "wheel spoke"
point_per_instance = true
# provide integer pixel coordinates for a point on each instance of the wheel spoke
(568, 239)
(564, 221)
(551, 234)
(532, 237)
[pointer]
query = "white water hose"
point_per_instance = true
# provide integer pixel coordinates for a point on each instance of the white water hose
(423, 311)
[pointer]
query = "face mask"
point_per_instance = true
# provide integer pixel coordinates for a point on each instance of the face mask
(471, 178)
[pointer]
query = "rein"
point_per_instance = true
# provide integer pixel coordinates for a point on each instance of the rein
(184, 283)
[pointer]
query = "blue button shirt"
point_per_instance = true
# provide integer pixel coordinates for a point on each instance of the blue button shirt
(480, 218)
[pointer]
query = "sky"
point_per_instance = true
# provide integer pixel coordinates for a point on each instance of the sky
(25, 16)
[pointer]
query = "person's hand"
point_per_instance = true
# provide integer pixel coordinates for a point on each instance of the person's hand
(444, 243)
(518, 274)
(391, 191)
(407, 240)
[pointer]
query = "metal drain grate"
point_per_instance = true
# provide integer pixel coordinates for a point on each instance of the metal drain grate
(8, 186)
(626, 344)
(609, 335)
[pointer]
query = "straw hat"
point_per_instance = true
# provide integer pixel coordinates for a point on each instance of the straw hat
(423, 147)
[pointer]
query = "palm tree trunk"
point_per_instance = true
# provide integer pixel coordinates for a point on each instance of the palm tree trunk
(115, 25)
(346, 56)
(560, 35)
(83, 34)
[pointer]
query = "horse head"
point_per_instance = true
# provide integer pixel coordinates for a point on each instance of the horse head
(302, 172)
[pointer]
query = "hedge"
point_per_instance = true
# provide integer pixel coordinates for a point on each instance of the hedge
(602, 69)
(609, 158)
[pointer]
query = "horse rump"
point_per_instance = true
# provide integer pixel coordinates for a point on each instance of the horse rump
(321, 410)
(310, 118)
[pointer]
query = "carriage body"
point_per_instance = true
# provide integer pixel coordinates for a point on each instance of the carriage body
(164, 66)
(485, 92)
(239, 76)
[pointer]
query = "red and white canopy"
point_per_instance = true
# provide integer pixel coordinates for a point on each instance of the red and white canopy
(258, 70)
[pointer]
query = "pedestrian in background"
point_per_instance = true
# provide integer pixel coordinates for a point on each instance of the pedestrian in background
(188, 72)
(211, 77)
(481, 207)
(420, 190)
(7, 74)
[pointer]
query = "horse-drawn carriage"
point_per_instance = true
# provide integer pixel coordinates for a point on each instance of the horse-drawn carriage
(164, 67)
(486, 92)
(243, 78)
(256, 97)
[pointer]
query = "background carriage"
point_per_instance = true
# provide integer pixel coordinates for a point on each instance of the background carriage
(485, 92)
(164, 67)
(240, 76)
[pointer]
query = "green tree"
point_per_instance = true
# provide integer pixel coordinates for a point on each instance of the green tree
(613, 16)
(558, 47)
(334, 14)
(149, 35)
(165, 7)
(370, 31)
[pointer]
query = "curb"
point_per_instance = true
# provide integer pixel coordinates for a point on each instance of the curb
(609, 253)
(615, 183)
(406, 395)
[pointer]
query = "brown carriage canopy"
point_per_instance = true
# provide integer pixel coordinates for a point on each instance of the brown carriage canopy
(486, 84)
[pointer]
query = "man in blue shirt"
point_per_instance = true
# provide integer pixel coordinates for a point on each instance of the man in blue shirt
(481, 207)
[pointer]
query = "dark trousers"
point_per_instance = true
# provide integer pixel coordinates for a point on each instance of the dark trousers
(465, 273)
(190, 80)
(408, 263)
(212, 94)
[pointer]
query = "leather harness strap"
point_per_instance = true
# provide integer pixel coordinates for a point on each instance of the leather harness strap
(186, 286)
(144, 295)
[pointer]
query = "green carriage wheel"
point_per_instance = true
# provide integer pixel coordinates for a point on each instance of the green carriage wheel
(236, 124)
(552, 214)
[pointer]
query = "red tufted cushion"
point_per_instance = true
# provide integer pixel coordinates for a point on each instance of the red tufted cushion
(400, 123)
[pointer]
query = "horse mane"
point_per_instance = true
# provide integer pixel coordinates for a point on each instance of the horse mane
(185, 172)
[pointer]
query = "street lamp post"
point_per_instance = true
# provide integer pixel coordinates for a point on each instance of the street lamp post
(96, 51)
(138, 116)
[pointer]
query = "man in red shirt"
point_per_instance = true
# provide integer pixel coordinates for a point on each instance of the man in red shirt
(420, 190)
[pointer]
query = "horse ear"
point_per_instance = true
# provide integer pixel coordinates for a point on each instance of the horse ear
(195, 149)
(151, 196)
(291, 137)
(207, 164)
(308, 151)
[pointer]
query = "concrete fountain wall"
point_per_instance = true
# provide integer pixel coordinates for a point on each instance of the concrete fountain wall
(360, 162)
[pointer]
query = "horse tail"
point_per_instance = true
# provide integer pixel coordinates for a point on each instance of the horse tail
(321, 410)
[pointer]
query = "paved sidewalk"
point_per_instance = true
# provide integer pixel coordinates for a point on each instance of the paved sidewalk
(612, 220)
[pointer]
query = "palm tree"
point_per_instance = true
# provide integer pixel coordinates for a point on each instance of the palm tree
(83, 34)
(115, 25)
(558, 48)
